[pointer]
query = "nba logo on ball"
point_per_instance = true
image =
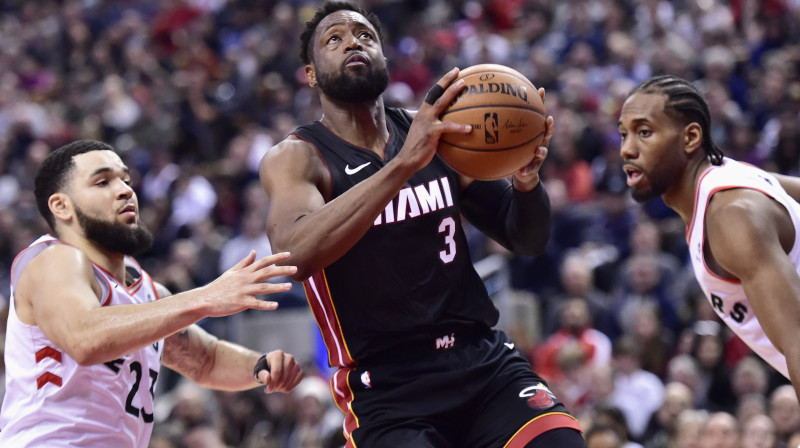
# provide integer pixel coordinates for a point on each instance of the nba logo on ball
(490, 127)
(507, 117)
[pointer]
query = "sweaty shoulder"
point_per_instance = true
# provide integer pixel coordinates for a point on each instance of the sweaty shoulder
(291, 161)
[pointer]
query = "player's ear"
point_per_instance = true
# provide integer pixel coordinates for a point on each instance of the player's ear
(60, 206)
(311, 75)
(692, 137)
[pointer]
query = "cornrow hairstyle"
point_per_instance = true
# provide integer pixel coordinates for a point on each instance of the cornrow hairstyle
(325, 10)
(54, 171)
(685, 103)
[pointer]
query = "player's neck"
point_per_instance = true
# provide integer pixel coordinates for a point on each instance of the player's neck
(362, 124)
(113, 262)
(681, 197)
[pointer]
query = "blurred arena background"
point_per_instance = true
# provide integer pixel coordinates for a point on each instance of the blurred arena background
(194, 92)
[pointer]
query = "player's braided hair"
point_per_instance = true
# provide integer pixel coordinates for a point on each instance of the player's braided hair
(52, 174)
(325, 10)
(686, 103)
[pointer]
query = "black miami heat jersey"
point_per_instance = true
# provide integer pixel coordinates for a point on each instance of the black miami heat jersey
(410, 277)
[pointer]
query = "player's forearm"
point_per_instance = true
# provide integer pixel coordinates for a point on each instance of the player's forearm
(111, 332)
(321, 237)
(210, 362)
(520, 221)
(233, 368)
(793, 362)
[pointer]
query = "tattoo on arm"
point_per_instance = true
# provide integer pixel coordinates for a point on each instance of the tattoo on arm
(190, 352)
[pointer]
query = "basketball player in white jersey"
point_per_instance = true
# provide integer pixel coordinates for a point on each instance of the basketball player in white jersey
(88, 328)
(743, 228)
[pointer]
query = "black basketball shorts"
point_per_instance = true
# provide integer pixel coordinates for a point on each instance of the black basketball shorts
(460, 390)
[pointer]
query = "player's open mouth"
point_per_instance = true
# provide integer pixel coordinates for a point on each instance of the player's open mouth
(356, 59)
(633, 174)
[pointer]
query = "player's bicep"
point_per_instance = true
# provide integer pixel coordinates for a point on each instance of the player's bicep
(745, 239)
(291, 176)
(60, 288)
(744, 230)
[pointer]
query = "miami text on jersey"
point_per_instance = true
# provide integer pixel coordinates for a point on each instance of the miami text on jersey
(416, 201)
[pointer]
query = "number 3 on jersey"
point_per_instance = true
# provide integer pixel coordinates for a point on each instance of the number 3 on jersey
(448, 228)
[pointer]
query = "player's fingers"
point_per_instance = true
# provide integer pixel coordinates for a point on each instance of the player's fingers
(541, 93)
(541, 153)
(271, 288)
(244, 262)
(263, 305)
(293, 377)
(263, 376)
(533, 166)
(271, 259)
(269, 272)
(549, 130)
(438, 90)
(275, 362)
(450, 127)
(285, 373)
(448, 96)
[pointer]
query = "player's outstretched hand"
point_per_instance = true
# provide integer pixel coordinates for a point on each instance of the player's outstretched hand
(427, 128)
(283, 375)
(236, 289)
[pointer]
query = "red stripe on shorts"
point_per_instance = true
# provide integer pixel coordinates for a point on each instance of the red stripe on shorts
(539, 426)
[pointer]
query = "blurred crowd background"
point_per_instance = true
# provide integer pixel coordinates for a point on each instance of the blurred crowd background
(194, 92)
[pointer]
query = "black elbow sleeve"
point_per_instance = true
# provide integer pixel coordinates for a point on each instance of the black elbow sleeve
(520, 221)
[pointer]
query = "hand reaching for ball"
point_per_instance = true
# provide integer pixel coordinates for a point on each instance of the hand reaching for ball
(527, 178)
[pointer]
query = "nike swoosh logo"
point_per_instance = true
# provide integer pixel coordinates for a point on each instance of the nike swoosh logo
(510, 345)
(351, 171)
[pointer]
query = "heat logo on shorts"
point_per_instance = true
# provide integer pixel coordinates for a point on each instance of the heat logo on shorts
(538, 397)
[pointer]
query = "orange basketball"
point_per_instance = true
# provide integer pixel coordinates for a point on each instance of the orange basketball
(507, 116)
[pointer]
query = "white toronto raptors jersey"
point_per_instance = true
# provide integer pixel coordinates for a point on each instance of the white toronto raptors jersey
(51, 401)
(727, 296)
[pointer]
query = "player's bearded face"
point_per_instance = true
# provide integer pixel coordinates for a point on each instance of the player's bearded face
(355, 86)
(115, 236)
(659, 180)
(657, 188)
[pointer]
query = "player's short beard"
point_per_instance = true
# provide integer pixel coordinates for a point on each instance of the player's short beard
(115, 236)
(354, 88)
(658, 186)
(642, 196)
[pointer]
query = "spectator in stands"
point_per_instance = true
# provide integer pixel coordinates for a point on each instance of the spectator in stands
(720, 431)
(662, 429)
(784, 412)
(758, 432)
(637, 392)
(689, 429)
(603, 436)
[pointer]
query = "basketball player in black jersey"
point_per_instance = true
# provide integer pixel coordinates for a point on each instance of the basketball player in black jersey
(371, 216)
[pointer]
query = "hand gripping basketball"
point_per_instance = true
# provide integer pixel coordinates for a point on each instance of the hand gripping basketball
(508, 120)
(433, 94)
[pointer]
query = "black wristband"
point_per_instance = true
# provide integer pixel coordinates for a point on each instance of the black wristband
(434, 94)
(261, 364)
